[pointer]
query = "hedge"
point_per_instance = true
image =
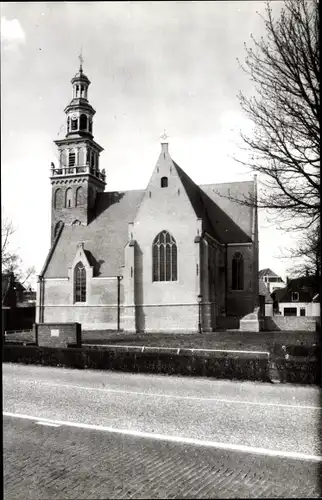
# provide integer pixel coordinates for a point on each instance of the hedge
(219, 365)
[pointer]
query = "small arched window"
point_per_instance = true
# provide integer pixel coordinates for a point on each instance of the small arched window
(164, 257)
(58, 225)
(76, 223)
(58, 199)
(83, 122)
(80, 283)
(74, 124)
(90, 128)
(164, 182)
(80, 197)
(237, 272)
(68, 198)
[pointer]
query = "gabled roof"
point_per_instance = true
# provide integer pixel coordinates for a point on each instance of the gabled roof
(307, 287)
(263, 290)
(223, 193)
(215, 221)
(104, 238)
(267, 272)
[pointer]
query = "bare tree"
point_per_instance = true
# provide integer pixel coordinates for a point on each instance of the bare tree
(10, 260)
(284, 146)
(309, 252)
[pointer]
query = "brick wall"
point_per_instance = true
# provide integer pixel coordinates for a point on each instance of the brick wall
(164, 209)
(290, 323)
(100, 311)
(58, 334)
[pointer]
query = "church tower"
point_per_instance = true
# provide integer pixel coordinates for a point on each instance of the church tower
(77, 179)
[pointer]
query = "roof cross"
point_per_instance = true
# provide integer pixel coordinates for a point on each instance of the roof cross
(164, 136)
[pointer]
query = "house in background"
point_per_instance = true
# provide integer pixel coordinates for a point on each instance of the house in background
(18, 312)
(266, 301)
(299, 298)
(271, 280)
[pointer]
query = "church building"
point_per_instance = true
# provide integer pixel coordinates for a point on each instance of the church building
(173, 257)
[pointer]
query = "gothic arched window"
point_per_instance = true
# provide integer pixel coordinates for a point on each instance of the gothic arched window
(80, 197)
(83, 122)
(237, 272)
(79, 283)
(164, 257)
(58, 199)
(164, 182)
(68, 198)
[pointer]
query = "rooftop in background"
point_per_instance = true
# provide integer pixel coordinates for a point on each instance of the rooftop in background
(267, 272)
(307, 287)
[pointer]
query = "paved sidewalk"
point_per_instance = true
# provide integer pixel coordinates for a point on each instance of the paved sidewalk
(67, 463)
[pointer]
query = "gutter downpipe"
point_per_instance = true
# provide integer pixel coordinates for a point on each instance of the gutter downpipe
(119, 278)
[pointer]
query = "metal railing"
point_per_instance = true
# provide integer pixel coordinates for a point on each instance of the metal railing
(85, 169)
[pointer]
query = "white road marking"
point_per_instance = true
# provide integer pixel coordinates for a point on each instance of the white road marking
(175, 439)
(174, 348)
(174, 396)
(49, 424)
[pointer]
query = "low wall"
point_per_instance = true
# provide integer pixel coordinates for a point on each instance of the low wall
(57, 334)
(290, 323)
(221, 364)
(278, 367)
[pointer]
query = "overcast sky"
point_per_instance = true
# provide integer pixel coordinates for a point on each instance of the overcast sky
(153, 66)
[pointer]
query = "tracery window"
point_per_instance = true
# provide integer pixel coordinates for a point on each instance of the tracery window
(80, 283)
(164, 257)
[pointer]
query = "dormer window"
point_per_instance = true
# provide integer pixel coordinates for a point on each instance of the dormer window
(164, 182)
(295, 296)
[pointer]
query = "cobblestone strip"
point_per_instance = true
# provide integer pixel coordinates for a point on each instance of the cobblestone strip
(68, 463)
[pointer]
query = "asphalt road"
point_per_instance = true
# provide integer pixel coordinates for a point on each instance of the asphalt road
(117, 435)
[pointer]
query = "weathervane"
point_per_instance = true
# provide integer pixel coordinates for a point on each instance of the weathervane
(164, 136)
(81, 60)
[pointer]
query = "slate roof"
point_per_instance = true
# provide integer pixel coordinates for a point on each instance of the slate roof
(241, 214)
(267, 272)
(114, 210)
(218, 223)
(225, 220)
(306, 286)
